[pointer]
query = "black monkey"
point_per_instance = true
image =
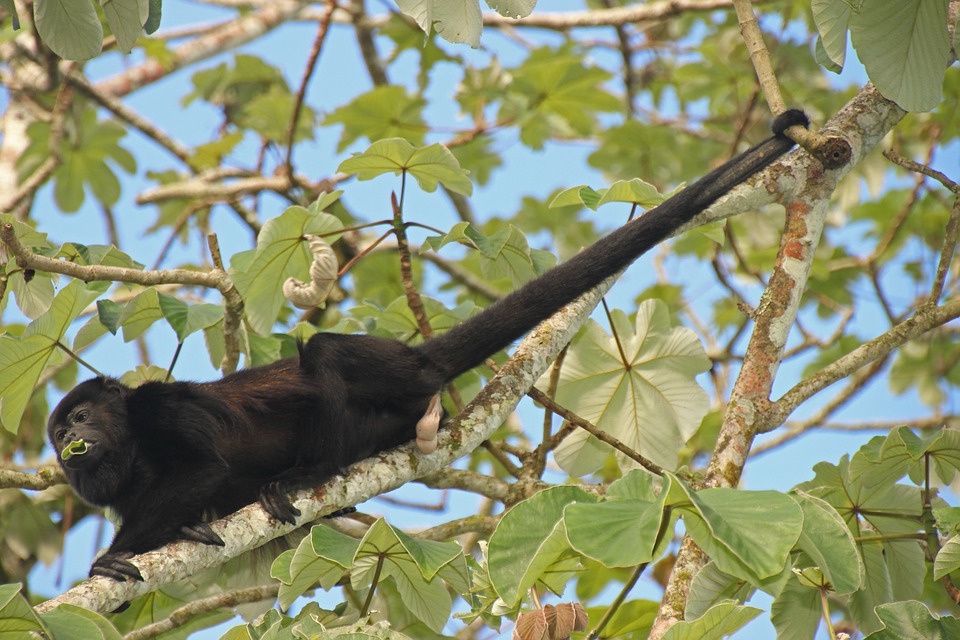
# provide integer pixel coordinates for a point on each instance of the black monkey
(169, 457)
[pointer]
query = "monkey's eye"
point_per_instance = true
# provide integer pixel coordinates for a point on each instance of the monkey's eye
(60, 435)
(81, 416)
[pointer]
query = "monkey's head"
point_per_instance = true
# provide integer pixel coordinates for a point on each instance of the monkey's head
(90, 433)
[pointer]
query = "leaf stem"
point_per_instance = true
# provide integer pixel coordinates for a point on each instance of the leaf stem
(79, 360)
(373, 587)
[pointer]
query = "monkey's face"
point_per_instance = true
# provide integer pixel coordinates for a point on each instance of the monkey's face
(89, 424)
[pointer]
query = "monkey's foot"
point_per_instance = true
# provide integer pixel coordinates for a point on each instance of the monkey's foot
(201, 532)
(274, 498)
(428, 425)
(116, 565)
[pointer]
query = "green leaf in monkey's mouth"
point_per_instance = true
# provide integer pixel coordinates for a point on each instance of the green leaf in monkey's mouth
(75, 448)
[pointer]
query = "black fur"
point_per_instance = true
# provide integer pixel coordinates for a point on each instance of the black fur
(170, 457)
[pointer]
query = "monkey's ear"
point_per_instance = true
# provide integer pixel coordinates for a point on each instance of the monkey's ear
(115, 386)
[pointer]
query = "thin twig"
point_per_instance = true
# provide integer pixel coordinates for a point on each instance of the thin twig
(308, 70)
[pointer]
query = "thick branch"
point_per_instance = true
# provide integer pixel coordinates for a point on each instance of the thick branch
(863, 122)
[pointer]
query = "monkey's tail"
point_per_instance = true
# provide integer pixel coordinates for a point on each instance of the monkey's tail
(468, 344)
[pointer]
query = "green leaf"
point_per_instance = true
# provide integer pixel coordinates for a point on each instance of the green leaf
(913, 621)
(139, 314)
(17, 617)
(876, 590)
(652, 403)
(153, 17)
(144, 373)
(829, 543)
(832, 18)
(11, 8)
(269, 114)
(711, 586)
(109, 313)
(579, 196)
(512, 8)
(72, 30)
(209, 155)
(385, 112)
(429, 165)
(617, 533)
(281, 253)
(887, 459)
(718, 622)
(71, 621)
(948, 558)
(456, 21)
(34, 297)
(23, 359)
(409, 563)
(85, 158)
(749, 534)
(103, 254)
(123, 16)
(948, 519)
(320, 558)
(555, 94)
(904, 46)
(636, 191)
(75, 448)
(186, 319)
(530, 540)
(796, 612)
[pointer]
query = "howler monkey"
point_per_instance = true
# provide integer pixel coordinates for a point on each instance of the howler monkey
(169, 457)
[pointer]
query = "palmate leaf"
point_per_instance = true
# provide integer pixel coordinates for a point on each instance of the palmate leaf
(281, 253)
(17, 617)
(796, 612)
(530, 541)
(23, 359)
(320, 558)
(457, 21)
(830, 545)
(185, 318)
(904, 46)
(415, 567)
(429, 165)
(71, 621)
(554, 93)
(652, 403)
(832, 18)
(720, 621)
(749, 534)
(126, 18)
(886, 459)
(619, 532)
(913, 619)
(384, 112)
(71, 30)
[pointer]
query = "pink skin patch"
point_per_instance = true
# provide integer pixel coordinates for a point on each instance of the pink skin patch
(428, 425)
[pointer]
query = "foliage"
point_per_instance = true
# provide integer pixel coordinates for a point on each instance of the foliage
(512, 147)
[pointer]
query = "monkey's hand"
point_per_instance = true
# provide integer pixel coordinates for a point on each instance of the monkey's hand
(116, 565)
(201, 532)
(274, 498)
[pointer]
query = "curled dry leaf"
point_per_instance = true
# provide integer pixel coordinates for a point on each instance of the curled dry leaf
(323, 275)
(551, 622)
